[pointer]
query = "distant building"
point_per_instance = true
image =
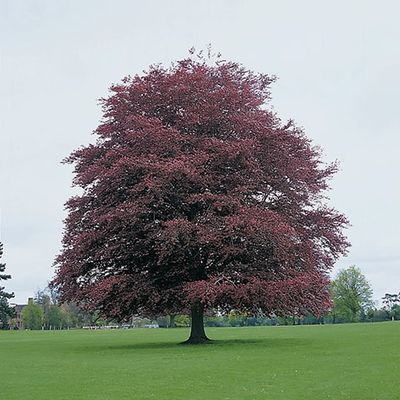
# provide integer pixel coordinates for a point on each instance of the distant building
(17, 322)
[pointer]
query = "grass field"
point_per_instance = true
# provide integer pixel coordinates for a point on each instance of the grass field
(358, 361)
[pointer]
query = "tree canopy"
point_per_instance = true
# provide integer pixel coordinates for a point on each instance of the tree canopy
(195, 194)
(351, 293)
(32, 316)
(391, 303)
(5, 310)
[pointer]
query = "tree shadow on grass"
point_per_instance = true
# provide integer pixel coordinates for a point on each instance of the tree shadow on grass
(263, 342)
(212, 345)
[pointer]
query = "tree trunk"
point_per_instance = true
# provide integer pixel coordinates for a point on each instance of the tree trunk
(197, 332)
(172, 321)
(353, 316)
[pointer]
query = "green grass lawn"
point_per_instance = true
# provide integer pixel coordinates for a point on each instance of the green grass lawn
(358, 361)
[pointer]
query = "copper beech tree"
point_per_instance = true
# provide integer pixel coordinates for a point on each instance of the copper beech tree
(196, 196)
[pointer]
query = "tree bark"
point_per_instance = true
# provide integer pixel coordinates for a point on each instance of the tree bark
(197, 332)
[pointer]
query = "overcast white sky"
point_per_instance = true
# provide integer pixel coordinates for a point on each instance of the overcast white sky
(338, 65)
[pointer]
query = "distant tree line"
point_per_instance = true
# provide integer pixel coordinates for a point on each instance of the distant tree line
(45, 312)
(351, 296)
(352, 301)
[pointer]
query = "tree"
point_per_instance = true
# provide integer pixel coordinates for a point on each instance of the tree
(73, 316)
(351, 294)
(171, 322)
(32, 316)
(53, 316)
(43, 300)
(6, 312)
(396, 312)
(195, 195)
(390, 301)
